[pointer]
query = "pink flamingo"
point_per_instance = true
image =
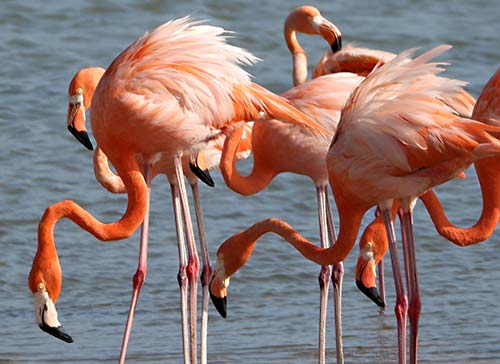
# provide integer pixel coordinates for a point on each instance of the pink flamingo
(399, 135)
(322, 99)
(486, 110)
(83, 84)
(156, 100)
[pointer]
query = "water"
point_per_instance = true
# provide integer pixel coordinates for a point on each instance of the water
(273, 302)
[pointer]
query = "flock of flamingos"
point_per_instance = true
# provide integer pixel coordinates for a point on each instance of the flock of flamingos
(381, 129)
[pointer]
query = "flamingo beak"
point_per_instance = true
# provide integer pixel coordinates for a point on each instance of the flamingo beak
(331, 34)
(365, 280)
(218, 295)
(46, 317)
(76, 119)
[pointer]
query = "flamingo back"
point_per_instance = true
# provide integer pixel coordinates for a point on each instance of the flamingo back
(403, 120)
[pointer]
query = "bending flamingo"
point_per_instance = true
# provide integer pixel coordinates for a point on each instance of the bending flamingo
(278, 148)
(156, 99)
(487, 110)
(399, 135)
(307, 19)
(81, 90)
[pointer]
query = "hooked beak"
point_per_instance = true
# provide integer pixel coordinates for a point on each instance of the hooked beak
(331, 34)
(218, 295)
(46, 317)
(202, 174)
(365, 280)
(80, 135)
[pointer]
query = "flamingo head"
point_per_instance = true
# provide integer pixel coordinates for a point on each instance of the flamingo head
(372, 246)
(81, 89)
(218, 287)
(45, 285)
(308, 20)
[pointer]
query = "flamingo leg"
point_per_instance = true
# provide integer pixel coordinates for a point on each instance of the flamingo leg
(401, 301)
(337, 278)
(181, 275)
(415, 304)
(324, 275)
(193, 261)
(381, 283)
(140, 274)
(206, 273)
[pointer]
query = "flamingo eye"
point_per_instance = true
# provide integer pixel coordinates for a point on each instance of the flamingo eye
(77, 98)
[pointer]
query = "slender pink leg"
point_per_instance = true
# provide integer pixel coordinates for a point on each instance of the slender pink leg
(401, 300)
(193, 261)
(206, 273)
(181, 275)
(140, 274)
(415, 304)
(381, 283)
(324, 275)
(337, 278)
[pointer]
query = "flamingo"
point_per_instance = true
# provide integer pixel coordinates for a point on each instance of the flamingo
(329, 94)
(278, 148)
(372, 250)
(84, 83)
(307, 19)
(399, 136)
(158, 100)
(322, 99)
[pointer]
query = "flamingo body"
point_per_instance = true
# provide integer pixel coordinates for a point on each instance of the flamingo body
(158, 99)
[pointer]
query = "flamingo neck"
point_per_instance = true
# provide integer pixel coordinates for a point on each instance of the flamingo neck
(487, 174)
(46, 266)
(256, 181)
(299, 55)
(236, 250)
(104, 175)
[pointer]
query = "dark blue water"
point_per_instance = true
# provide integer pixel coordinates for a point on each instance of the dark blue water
(273, 302)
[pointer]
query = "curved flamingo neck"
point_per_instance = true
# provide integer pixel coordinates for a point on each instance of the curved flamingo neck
(46, 256)
(104, 175)
(256, 181)
(487, 174)
(236, 250)
(299, 55)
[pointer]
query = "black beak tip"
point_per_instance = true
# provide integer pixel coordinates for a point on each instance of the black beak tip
(81, 136)
(220, 304)
(203, 175)
(371, 293)
(57, 332)
(337, 45)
